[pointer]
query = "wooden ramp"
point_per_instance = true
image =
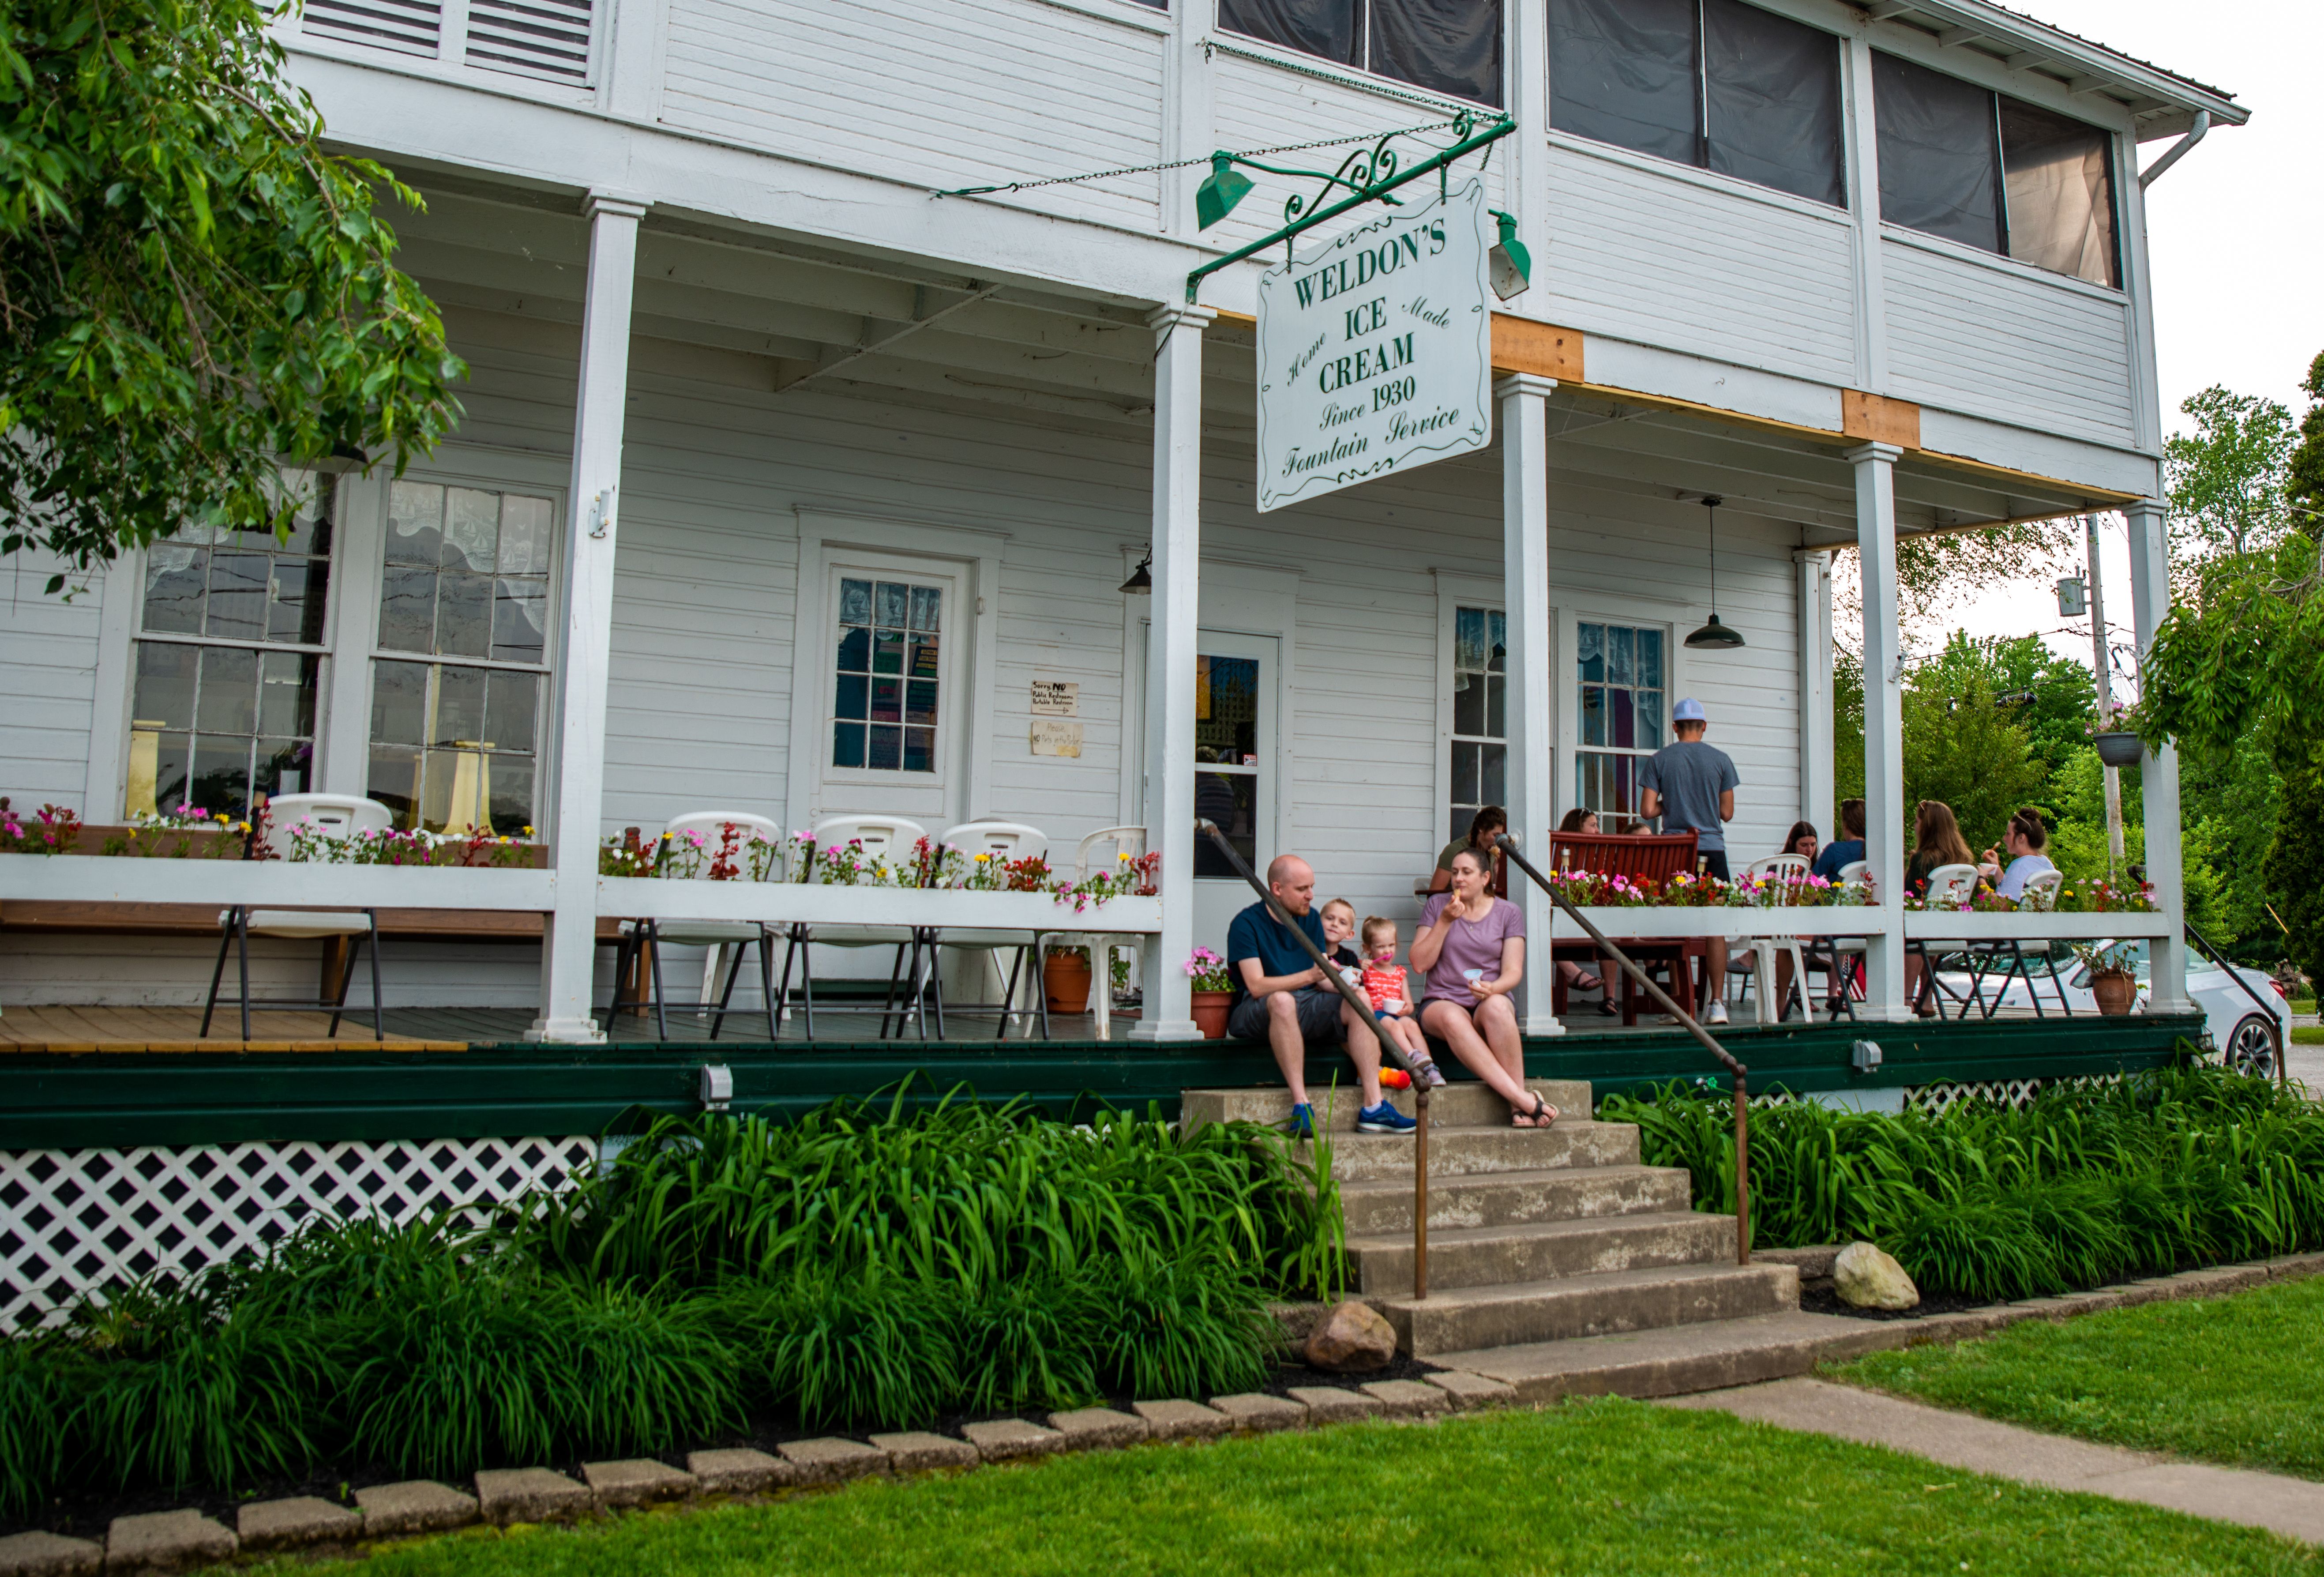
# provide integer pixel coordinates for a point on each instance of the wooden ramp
(179, 1029)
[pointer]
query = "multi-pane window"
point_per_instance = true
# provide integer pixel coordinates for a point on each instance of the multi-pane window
(1448, 46)
(887, 680)
(229, 659)
(1621, 679)
(1226, 758)
(1713, 83)
(1480, 714)
(464, 589)
(1994, 172)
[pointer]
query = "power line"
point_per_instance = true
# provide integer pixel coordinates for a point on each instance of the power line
(1436, 126)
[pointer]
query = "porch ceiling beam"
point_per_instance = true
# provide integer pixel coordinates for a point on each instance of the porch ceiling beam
(1953, 38)
(879, 337)
(1061, 369)
(958, 389)
(1010, 321)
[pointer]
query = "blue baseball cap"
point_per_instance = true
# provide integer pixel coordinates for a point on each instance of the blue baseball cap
(1688, 710)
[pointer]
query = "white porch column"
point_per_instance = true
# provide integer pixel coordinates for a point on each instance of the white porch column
(568, 951)
(1168, 1012)
(1525, 592)
(1817, 802)
(2149, 599)
(1884, 725)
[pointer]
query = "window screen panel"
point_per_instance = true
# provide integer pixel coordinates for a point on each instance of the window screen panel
(1772, 100)
(1447, 46)
(1624, 71)
(2058, 178)
(1314, 27)
(1939, 165)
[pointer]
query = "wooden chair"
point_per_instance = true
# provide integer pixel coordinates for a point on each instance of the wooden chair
(1655, 857)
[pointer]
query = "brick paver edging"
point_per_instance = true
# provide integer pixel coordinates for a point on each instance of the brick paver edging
(174, 1541)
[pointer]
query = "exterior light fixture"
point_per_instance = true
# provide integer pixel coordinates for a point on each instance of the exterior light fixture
(1141, 579)
(2073, 598)
(1510, 266)
(1714, 635)
(1221, 190)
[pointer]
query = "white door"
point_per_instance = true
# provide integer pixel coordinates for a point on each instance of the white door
(1234, 772)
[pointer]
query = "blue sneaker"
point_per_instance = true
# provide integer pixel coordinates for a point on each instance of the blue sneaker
(1383, 1118)
(1302, 1124)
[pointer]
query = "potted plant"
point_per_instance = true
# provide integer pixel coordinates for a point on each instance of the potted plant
(1066, 978)
(2112, 981)
(1214, 992)
(2119, 744)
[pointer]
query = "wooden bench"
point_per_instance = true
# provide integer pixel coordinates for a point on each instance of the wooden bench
(1655, 858)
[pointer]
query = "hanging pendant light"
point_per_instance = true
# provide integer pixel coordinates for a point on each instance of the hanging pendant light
(1141, 579)
(1714, 635)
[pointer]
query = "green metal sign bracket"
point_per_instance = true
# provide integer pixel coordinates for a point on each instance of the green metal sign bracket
(1370, 177)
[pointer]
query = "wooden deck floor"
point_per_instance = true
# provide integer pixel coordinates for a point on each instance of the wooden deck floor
(179, 1029)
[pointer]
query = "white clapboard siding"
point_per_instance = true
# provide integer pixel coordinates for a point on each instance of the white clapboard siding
(1991, 339)
(47, 651)
(938, 96)
(1261, 104)
(1651, 257)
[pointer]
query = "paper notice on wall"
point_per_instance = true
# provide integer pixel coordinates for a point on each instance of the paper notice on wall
(1056, 698)
(1055, 738)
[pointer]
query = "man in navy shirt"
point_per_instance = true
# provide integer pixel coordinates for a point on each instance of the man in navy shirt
(1280, 993)
(1848, 846)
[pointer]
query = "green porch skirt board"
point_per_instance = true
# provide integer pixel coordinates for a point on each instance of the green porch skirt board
(120, 1100)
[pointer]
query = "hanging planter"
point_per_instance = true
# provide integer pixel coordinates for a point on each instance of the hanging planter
(2118, 748)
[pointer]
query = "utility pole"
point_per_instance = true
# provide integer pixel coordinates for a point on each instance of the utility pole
(2103, 666)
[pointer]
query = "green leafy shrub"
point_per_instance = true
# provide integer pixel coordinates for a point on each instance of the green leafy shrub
(848, 1349)
(2086, 1184)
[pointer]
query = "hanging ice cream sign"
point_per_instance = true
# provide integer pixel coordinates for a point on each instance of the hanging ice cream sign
(1375, 352)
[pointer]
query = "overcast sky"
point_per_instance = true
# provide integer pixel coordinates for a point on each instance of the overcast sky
(2234, 232)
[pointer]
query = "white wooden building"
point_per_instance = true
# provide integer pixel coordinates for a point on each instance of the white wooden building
(1860, 270)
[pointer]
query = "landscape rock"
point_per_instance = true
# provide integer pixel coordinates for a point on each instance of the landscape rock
(508, 1495)
(1331, 1404)
(1354, 1338)
(1262, 1414)
(166, 1540)
(1098, 1428)
(1409, 1398)
(1182, 1420)
(48, 1555)
(739, 1470)
(414, 1505)
(918, 1451)
(832, 1460)
(1470, 1392)
(637, 1482)
(1866, 1279)
(1006, 1439)
(304, 1520)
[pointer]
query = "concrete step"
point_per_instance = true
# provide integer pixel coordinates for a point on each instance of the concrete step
(1465, 1151)
(1540, 1251)
(1462, 1103)
(1503, 1199)
(1464, 1318)
(1676, 1359)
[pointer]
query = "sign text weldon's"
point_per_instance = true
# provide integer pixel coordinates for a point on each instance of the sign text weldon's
(1375, 353)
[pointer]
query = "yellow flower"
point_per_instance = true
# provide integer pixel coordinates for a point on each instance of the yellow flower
(983, 857)
(528, 832)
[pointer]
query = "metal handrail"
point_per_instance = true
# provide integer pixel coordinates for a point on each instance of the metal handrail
(2267, 1008)
(1507, 844)
(1389, 1048)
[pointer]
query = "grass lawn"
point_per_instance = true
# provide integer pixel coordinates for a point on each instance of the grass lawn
(2235, 1380)
(1606, 1487)
(2308, 1034)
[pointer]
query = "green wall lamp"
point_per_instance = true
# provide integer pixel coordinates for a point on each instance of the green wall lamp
(1508, 265)
(1221, 190)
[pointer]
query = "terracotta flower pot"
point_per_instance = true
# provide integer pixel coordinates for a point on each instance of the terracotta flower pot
(1065, 977)
(1211, 1013)
(2117, 991)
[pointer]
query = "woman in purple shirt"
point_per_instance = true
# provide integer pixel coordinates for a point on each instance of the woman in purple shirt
(1471, 948)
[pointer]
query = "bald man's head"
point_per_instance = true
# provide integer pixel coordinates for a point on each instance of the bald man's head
(1292, 880)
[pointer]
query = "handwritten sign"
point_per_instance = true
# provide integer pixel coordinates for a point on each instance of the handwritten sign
(1375, 352)
(1055, 738)
(1056, 698)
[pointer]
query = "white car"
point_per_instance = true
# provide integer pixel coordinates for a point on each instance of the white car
(2247, 1032)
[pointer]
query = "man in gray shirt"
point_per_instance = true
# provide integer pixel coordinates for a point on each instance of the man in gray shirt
(1689, 784)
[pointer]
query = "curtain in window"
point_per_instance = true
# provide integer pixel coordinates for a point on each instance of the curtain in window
(1624, 71)
(1448, 46)
(1313, 27)
(2060, 192)
(1773, 100)
(1938, 158)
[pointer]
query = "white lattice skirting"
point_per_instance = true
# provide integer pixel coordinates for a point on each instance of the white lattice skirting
(76, 1221)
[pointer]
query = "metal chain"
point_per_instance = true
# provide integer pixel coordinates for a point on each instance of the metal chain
(1434, 125)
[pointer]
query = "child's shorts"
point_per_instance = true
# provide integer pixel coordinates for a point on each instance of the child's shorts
(1384, 1016)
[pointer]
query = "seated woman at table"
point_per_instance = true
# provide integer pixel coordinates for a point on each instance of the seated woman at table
(1486, 825)
(1937, 841)
(1801, 841)
(2025, 839)
(1575, 977)
(1471, 948)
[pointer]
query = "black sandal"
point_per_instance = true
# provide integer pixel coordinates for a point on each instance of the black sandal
(1541, 1117)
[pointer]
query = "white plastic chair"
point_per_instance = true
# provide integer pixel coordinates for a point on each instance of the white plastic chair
(888, 837)
(2040, 897)
(1947, 885)
(646, 936)
(337, 817)
(1109, 845)
(1760, 953)
(1005, 841)
(1838, 954)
